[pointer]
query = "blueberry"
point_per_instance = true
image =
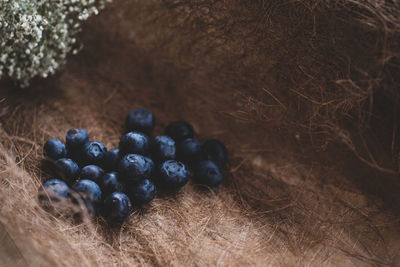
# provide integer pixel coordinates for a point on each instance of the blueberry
(111, 159)
(141, 120)
(110, 183)
(188, 150)
(173, 174)
(90, 193)
(162, 148)
(216, 151)
(208, 173)
(76, 156)
(117, 207)
(76, 138)
(135, 167)
(93, 153)
(179, 130)
(67, 169)
(92, 172)
(54, 149)
(143, 192)
(134, 143)
(53, 190)
(88, 189)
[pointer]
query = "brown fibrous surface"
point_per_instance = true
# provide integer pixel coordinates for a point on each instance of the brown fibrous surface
(304, 95)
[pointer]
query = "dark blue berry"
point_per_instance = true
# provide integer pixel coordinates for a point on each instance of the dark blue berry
(67, 169)
(93, 153)
(208, 173)
(76, 156)
(53, 190)
(92, 172)
(140, 120)
(135, 167)
(90, 194)
(179, 131)
(134, 143)
(76, 138)
(54, 149)
(173, 174)
(111, 159)
(110, 183)
(216, 151)
(143, 192)
(162, 148)
(88, 189)
(188, 150)
(117, 207)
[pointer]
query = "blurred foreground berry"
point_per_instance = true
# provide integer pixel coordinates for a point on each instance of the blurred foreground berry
(90, 193)
(54, 196)
(88, 189)
(53, 190)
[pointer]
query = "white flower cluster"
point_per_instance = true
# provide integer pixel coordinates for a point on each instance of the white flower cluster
(36, 36)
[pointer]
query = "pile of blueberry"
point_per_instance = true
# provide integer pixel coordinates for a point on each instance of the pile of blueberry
(110, 182)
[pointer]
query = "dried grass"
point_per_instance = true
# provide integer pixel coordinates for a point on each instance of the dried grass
(277, 81)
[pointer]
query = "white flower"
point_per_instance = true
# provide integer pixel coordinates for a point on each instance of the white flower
(36, 36)
(3, 58)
